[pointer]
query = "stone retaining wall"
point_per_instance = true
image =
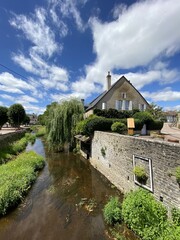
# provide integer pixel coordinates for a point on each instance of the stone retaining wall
(112, 154)
(10, 137)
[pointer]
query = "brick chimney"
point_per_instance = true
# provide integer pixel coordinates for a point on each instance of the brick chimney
(108, 79)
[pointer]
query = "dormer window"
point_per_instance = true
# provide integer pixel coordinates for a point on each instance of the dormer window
(123, 95)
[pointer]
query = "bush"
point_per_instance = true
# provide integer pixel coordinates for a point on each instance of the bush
(80, 126)
(155, 125)
(97, 124)
(118, 127)
(175, 212)
(112, 211)
(145, 117)
(178, 175)
(17, 177)
(140, 173)
(142, 213)
(171, 232)
(138, 124)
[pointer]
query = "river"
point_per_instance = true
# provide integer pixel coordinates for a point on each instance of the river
(65, 202)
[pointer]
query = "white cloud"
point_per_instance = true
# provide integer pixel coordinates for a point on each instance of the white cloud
(166, 94)
(11, 84)
(175, 108)
(68, 9)
(7, 97)
(37, 31)
(143, 33)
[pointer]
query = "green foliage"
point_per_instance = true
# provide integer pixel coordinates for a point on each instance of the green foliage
(177, 174)
(81, 125)
(156, 111)
(112, 211)
(140, 173)
(142, 213)
(14, 148)
(40, 131)
(26, 120)
(171, 232)
(118, 127)
(175, 212)
(30, 137)
(62, 121)
(16, 114)
(145, 117)
(16, 178)
(155, 125)
(97, 124)
(113, 113)
(138, 124)
(3, 116)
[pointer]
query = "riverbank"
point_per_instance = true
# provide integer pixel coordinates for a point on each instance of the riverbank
(16, 177)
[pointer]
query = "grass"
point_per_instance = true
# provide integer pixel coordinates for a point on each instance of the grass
(40, 131)
(11, 150)
(16, 177)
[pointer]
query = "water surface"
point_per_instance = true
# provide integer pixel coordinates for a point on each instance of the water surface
(65, 202)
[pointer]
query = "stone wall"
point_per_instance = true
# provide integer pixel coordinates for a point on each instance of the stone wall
(8, 138)
(112, 154)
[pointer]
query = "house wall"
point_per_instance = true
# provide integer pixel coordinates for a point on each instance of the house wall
(116, 94)
(117, 163)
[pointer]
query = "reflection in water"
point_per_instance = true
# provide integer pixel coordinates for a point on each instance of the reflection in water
(52, 210)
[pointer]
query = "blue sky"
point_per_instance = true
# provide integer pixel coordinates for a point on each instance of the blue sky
(64, 48)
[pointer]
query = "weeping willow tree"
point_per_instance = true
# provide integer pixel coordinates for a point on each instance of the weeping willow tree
(62, 121)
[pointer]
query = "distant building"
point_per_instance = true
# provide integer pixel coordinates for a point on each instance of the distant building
(33, 118)
(171, 116)
(122, 95)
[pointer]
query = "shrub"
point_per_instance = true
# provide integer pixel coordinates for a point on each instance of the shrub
(175, 212)
(112, 211)
(118, 127)
(145, 117)
(155, 125)
(171, 232)
(138, 124)
(178, 175)
(97, 124)
(144, 214)
(17, 177)
(80, 126)
(140, 173)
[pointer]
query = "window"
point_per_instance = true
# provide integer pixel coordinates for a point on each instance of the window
(118, 105)
(142, 107)
(126, 105)
(123, 95)
(103, 105)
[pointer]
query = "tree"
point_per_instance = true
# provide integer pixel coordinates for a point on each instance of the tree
(3, 116)
(16, 114)
(26, 120)
(156, 111)
(62, 120)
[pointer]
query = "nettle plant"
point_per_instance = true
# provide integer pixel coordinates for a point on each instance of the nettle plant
(140, 174)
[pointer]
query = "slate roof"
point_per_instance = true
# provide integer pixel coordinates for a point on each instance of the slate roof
(96, 100)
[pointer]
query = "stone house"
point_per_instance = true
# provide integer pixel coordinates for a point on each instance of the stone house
(122, 95)
(171, 116)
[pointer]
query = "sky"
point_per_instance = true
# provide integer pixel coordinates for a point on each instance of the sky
(52, 50)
